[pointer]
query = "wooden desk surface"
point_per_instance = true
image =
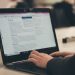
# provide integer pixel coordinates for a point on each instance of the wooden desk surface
(5, 71)
(60, 33)
(66, 32)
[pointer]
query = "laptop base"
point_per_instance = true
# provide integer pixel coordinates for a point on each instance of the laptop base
(27, 67)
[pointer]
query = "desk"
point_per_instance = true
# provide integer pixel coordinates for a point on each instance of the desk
(60, 33)
(5, 71)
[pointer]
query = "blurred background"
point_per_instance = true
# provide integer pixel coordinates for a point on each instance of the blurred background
(5, 3)
(63, 13)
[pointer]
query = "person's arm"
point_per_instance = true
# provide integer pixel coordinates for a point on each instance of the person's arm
(53, 65)
(59, 66)
(62, 54)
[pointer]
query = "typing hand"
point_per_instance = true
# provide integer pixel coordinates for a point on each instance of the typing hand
(62, 54)
(39, 59)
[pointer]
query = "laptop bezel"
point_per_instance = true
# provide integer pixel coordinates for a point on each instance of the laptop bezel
(10, 59)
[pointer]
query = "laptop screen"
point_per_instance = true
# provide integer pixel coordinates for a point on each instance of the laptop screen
(23, 32)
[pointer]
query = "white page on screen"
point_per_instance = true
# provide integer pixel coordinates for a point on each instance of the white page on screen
(24, 32)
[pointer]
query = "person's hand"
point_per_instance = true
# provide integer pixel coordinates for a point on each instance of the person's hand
(39, 59)
(62, 54)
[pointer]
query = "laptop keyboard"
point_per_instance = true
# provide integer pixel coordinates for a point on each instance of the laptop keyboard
(28, 67)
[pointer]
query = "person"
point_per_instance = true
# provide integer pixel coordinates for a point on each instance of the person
(57, 63)
(67, 7)
(27, 4)
(13, 3)
(24, 4)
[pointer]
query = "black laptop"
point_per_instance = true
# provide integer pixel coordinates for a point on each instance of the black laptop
(23, 31)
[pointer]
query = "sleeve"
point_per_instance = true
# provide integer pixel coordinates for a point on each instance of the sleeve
(59, 66)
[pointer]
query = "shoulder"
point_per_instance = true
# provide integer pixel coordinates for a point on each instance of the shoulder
(62, 5)
(21, 5)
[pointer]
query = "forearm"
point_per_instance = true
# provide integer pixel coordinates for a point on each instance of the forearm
(53, 66)
(61, 66)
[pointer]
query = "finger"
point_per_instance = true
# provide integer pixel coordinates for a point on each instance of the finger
(36, 53)
(32, 60)
(34, 56)
(68, 56)
(63, 54)
(43, 54)
(56, 54)
(68, 53)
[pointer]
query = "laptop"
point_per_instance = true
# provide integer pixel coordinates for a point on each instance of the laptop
(23, 31)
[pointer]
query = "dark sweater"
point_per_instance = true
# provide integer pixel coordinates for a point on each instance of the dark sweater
(61, 66)
(25, 4)
(68, 10)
